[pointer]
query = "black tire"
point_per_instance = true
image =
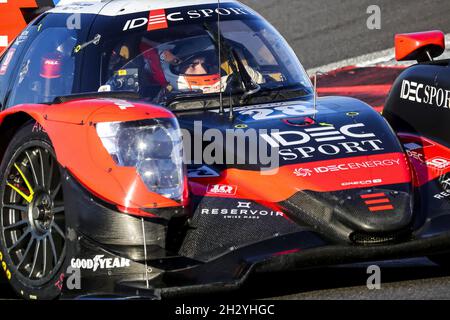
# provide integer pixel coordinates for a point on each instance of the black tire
(32, 220)
(442, 260)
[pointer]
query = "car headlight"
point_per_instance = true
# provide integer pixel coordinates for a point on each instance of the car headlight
(153, 147)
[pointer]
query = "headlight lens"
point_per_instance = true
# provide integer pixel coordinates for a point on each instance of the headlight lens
(153, 147)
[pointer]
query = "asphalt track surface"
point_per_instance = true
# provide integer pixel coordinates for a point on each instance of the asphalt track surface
(414, 279)
(326, 31)
(323, 32)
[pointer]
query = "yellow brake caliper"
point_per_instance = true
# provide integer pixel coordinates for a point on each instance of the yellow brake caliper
(28, 198)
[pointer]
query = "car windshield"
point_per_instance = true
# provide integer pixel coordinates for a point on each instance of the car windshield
(196, 60)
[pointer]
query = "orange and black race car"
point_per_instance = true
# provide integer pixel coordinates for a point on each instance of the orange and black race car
(157, 148)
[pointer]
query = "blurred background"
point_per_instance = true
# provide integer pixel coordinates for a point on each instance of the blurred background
(320, 31)
(326, 31)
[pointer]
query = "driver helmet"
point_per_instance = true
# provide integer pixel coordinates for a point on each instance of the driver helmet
(192, 65)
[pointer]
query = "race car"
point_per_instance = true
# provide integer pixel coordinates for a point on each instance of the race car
(152, 149)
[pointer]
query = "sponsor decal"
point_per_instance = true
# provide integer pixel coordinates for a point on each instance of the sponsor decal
(74, 6)
(157, 20)
(443, 195)
(51, 62)
(51, 69)
(301, 172)
(362, 183)
(38, 128)
(279, 112)
(221, 189)
(416, 152)
(160, 19)
(446, 183)
(426, 94)
(242, 212)
(438, 163)
(122, 104)
(22, 38)
(7, 61)
(416, 155)
(332, 141)
(377, 202)
(349, 173)
(245, 205)
(99, 262)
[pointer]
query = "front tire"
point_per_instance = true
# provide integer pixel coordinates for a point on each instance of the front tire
(32, 220)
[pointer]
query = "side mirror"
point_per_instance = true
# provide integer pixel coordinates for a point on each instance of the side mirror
(420, 46)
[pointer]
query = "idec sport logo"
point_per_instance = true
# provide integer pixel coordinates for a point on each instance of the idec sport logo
(160, 19)
(6, 61)
(324, 140)
(156, 20)
(438, 163)
(426, 94)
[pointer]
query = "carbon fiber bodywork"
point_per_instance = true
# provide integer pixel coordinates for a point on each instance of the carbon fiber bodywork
(211, 257)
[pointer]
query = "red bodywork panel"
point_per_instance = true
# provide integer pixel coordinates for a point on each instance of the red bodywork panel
(321, 176)
(430, 159)
(71, 128)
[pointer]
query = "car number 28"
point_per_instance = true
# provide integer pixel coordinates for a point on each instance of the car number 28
(279, 112)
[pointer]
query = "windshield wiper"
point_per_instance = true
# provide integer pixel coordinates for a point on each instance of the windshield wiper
(250, 88)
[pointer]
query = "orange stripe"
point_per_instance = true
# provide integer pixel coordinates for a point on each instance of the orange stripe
(375, 195)
(378, 201)
(381, 208)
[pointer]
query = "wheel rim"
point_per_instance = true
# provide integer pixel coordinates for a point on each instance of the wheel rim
(32, 218)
